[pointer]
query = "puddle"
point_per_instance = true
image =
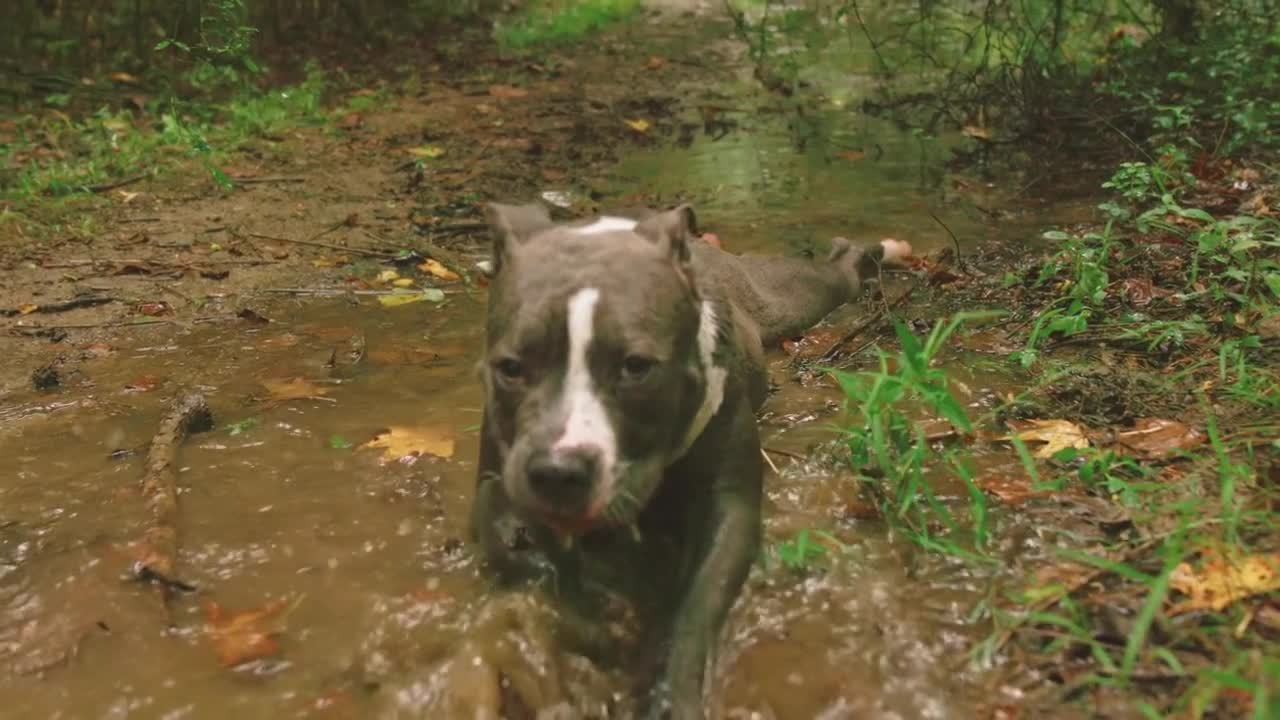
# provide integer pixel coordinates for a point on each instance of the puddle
(391, 617)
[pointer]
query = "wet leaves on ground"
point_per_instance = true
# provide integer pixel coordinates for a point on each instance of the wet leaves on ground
(283, 390)
(405, 444)
(1221, 580)
(1156, 438)
(245, 635)
(405, 297)
(1056, 435)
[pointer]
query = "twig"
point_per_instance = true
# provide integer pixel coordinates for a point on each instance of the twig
(159, 544)
(104, 187)
(72, 304)
(456, 229)
(36, 329)
(769, 460)
(954, 240)
(267, 179)
(341, 291)
(875, 317)
(784, 453)
(329, 246)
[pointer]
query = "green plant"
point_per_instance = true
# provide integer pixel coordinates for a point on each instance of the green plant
(890, 446)
(558, 21)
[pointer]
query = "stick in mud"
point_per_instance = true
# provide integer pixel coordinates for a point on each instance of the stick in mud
(159, 547)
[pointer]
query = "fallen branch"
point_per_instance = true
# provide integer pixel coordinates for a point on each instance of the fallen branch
(37, 329)
(104, 187)
(266, 179)
(159, 545)
(873, 319)
(328, 246)
(340, 291)
(72, 304)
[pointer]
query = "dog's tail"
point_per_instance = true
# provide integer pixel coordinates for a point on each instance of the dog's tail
(861, 262)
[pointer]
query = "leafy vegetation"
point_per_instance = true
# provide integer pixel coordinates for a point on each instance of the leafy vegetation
(1157, 321)
(558, 21)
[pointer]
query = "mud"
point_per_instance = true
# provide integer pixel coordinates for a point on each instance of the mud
(388, 614)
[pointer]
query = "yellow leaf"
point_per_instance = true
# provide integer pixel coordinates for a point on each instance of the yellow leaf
(402, 282)
(975, 132)
(1221, 581)
(399, 442)
(27, 308)
(1055, 434)
(293, 389)
(405, 297)
(433, 267)
(426, 151)
(387, 275)
(640, 125)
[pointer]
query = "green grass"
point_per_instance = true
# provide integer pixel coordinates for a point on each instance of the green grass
(550, 22)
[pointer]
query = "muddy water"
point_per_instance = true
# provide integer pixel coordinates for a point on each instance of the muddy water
(388, 616)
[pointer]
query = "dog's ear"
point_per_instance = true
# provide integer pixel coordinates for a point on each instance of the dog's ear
(512, 224)
(672, 231)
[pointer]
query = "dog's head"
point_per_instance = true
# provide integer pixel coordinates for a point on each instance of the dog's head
(598, 357)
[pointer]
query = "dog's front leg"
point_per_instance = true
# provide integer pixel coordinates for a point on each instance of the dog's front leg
(728, 545)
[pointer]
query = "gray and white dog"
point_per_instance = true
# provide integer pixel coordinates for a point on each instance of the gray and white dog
(623, 367)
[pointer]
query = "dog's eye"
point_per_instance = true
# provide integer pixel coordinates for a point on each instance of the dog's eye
(637, 367)
(509, 368)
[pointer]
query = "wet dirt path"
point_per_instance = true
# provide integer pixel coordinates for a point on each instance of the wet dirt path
(386, 614)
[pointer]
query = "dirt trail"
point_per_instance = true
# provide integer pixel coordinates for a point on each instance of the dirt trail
(318, 207)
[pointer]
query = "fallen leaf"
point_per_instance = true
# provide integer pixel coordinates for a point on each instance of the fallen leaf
(639, 125)
(507, 91)
(851, 155)
(426, 151)
(98, 349)
(434, 268)
(1222, 580)
(293, 389)
(399, 298)
(153, 309)
(143, 384)
(1055, 434)
(245, 635)
(813, 343)
(400, 443)
(655, 62)
(975, 132)
(124, 77)
(387, 276)
(1156, 438)
(402, 282)
(27, 308)
(1010, 489)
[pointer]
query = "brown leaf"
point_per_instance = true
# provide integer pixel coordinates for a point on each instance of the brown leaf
(406, 444)
(124, 77)
(1156, 438)
(293, 389)
(244, 635)
(655, 62)
(27, 308)
(1222, 580)
(1055, 434)
(145, 383)
(507, 91)
(1010, 489)
(813, 343)
(975, 132)
(851, 155)
(154, 309)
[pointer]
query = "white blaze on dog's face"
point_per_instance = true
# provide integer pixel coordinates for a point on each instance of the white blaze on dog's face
(587, 426)
(600, 370)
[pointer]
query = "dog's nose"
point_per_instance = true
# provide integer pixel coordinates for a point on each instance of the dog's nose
(563, 478)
